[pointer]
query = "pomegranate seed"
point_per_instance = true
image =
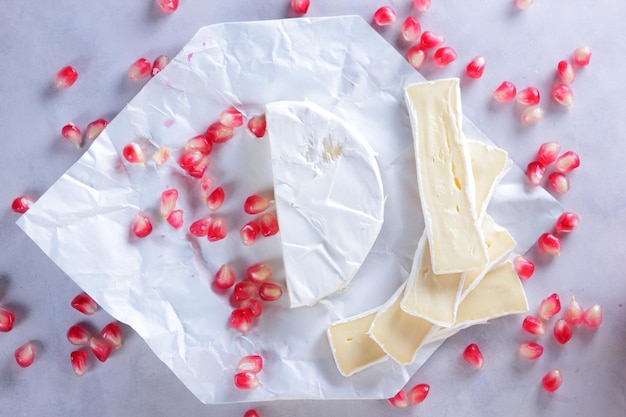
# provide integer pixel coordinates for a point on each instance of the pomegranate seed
(593, 316)
(550, 244)
(159, 63)
(219, 133)
(505, 92)
(246, 380)
(268, 291)
(524, 267)
(175, 219)
(112, 333)
(168, 201)
(78, 335)
(565, 71)
(529, 96)
(251, 413)
(94, 129)
(251, 363)
(66, 77)
(206, 184)
(552, 380)
(411, 29)
(416, 56)
(141, 226)
(100, 348)
(562, 331)
(430, 40)
(385, 16)
(422, 5)
(231, 117)
(6, 320)
(134, 153)
(200, 228)
(567, 222)
(418, 393)
(224, 277)
(268, 224)
(161, 155)
(191, 159)
(241, 320)
(300, 6)
(532, 115)
(523, 4)
(256, 126)
(567, 162)
(259, 273)
(534, 172)
(255, 306)
(139, 69)
(217, 229)
(530, 350)
(199, 143)
(534, 325)
(573, 313)
(22, 204)
(444, 56)
(559, 182)
(25, 354)
(476, 67)
(244, 290)
(73, 134)
(249, 233)
(168, 6)
(473, 356)
(563, 95)
(548, 152)
(78, 358)
(400, 400)
(85, 304)
(550, 307)
(582, 56)
(256, 204)
(197, 171)
(215, 199)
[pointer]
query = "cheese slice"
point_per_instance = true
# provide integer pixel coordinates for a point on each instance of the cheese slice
(329, 198)
(489, 165)
(445, 180)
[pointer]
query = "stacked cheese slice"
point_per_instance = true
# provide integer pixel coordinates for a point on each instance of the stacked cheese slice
(458, 277)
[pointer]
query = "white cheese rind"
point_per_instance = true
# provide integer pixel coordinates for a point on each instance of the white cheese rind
(329, 198)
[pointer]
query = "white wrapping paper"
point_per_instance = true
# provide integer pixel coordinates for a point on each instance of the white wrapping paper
(160, 285)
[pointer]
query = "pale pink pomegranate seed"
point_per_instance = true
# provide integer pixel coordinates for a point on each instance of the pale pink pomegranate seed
(473, 356)
(411, 29)
(66, 77)
(563, 95)
(142, 226)
(524, 267)
(244, 290)
(250, 363)
(259, 273)
(444, 56)
(168, 201)
(550, 307)
(552, 380)
(219, 133)
(416, 56)
(224, 277)
(94, 129)
(476, 67)
(567, 222)
(200, 227)
(231, 117)
(255, 306)
(161, 155)
(84, 303)
(246, 380)
(268, 224)
(385, 16)
(268, 291)
(534, 325)
(25, 355)
(565, 72)
(139, 69)
(530, 350)
(251, 413)
(168, 6)
(241, 320)
(562, 331)
(549, 243)
(422, 5)
(573, 313)
(582, 56)
(133, 153)
(217, 229)
(529, 96)
(559, 182)
(593, 316)
(523, 4)
(159, 63)
(206, 184)
(567, 162)
(535, 172)
(548, 152)
(79, 361)
(78, 335)
(249, 233)
(22, 204)
(100, 348)
(199, 143)
(6, 320)
(400, 400)
(505, 92)
(418, 393)
(175, 219)
(112, 333)
(73, 134)
(256, 204)
(300, 6)
(215, 200)
(532, 115)
(430, 39)
(256, 126)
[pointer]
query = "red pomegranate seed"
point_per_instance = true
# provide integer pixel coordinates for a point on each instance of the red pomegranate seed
(94, 129)
(22, 204)
(505, 92)
(416, 56)
(550, 307)
(134, 153)
(476, 67)
(246, 380)
(168, 6)
(159, 63)
(430, 40)
(66, 77)
(224, 277)
(73, 134)
(139, 69)
(259, 273)
(200, 227)
(582, 56)
(524, 267)
(573, 313)
(251, 413)
(385, 16)
(534, 325)
(199, 143)
(244, 290)
(530, 350)
(268, 224)
(100, 348)
(78, 335)
(217, 229)
(85, 304)
(241, 320)
(256, 126)
(161, 155)
(400, 400)
(168, 201)
(548, 152)
(249, 233)
(565, 71)
(268, 291)
(567, 222)
(79, 361)
(411, 29)
(219, 133)
(206, 184)
(418, 393)
(250, 363)
(6, 320)
(529, 96)
(593, 316)
(473, 356)
(25, 354)
(215, 199)
(534, 172)
(300, 6)
(567, 162)
(559, 182)
(141, 226)
(190, 159)
(523, 4)
(552, 380)
(444, 56)
(562, 331)
(175, 219)
(563, 95)
(256, 204)
(422, 5)
(112, 333)
(231, 117)
(549, 243)
(255, 306)
(532, 115)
